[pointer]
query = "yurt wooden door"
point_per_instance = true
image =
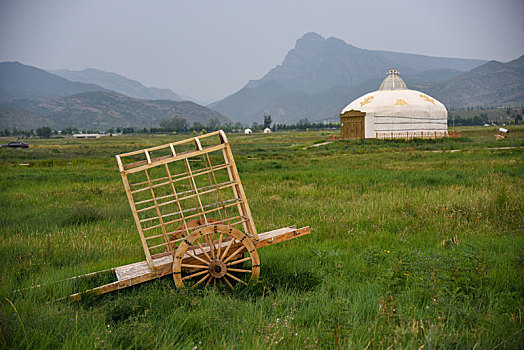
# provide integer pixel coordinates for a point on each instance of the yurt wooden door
(352, 125)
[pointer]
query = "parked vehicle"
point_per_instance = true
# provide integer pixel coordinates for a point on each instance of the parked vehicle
(16, 144)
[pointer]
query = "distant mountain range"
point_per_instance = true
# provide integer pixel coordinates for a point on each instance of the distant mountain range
(31, 97)
(317, 78)
(100, 110)
(117, 83)
(320, 76)
(493, 83)
(20, 81)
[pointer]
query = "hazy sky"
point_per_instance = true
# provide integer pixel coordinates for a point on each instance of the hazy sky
(210, 49)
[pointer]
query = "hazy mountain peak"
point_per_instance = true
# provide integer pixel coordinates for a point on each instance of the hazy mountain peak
(338, 41)
(311, 37)
(18, 80)
(517, 63)
(118, 83)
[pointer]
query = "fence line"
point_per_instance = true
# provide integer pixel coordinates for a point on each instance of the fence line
(409, 135)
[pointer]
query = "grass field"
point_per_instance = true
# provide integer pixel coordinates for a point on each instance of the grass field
(413, 243)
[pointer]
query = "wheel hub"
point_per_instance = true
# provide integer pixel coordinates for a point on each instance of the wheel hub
(217, 268)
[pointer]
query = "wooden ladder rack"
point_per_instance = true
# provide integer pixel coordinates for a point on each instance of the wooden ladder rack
(176, 188)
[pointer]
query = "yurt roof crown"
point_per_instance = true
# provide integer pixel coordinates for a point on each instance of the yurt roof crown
(393, 81)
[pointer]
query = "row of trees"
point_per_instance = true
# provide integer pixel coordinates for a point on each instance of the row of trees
(178, 125)
(43, 132)
(181, 125)
(479, 119)
(508, 109)
(305, 124)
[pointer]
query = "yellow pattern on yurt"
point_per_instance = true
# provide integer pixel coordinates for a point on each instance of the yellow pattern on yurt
(400, 102)
(427, 98)
(366, 101)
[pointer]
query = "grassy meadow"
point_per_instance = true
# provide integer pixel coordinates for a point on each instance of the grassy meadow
(414, 243)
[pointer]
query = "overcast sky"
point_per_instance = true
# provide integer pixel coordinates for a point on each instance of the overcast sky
(210, 49)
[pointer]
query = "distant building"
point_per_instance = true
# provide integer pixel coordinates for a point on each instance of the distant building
(248, 131)
(86, 136)
(394, 111)
(267, 130)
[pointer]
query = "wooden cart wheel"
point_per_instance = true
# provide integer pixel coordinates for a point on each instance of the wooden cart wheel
(213, 254)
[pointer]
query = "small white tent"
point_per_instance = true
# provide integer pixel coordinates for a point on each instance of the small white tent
(267, 130)
(248, 131)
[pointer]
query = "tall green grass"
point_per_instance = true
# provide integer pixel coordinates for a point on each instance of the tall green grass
(411, 245)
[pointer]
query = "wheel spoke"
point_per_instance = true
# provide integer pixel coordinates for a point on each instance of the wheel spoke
(202, 249)
(228, 283)
(227, 248)
(211, 246)
(209, 282)
(240, 270)
(194, 275)
(238, 261)
(195, 266)
(198, 258)
(234, 254)
(201, 280)
(219, 244)
(235, 278)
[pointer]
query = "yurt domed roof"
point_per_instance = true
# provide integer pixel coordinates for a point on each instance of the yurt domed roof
(394, 99)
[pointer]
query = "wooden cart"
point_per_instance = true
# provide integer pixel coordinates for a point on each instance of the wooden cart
(192, 216)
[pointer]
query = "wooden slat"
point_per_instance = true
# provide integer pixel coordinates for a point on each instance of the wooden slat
(168, 145)
(178, 201)
(197, 227)
(163, 227)
(119, 162)
(176, 196)
(177, 177)
(212, 188)
(137, 219)
(161, 271)
(243, 207)
(235, 200)
(142, 162)
(173, 159)
(195, 188)
(219, 197)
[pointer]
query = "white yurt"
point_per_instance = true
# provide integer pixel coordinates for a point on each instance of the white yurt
(248, 131)
(394, 111)
(267, 130)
